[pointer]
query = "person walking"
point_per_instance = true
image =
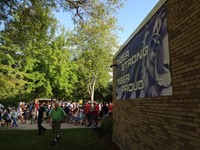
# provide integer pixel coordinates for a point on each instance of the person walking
(57, 115)
(87, 112)
(104, 111)
(95, 114)
(7, 117)
(41, 111)
(14, 117)
(33, 115)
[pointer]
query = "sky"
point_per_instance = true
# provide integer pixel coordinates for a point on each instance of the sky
(129, 17)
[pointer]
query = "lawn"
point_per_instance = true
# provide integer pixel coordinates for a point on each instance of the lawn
(71, 139)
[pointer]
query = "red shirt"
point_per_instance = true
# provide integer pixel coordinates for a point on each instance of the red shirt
(110, 107)
(87, 108)
(96, 109)
(37, 106)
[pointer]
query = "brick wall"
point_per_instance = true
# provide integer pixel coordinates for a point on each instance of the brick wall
(169, 122)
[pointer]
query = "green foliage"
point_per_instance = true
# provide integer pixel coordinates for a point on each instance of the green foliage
(39, 58)
(60, 69)
(104, 93)
(11, 77)
(34, 60)
(23, 41)
(81, 10)
(94, 43)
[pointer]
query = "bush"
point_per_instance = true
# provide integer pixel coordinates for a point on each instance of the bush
(107, 125)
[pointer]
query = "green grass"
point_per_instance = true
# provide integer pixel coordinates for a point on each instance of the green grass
(71, 139)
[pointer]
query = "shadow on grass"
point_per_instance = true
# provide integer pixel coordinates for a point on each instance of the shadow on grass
(71, 139)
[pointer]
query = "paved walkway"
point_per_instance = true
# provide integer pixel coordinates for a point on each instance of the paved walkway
(29, 126)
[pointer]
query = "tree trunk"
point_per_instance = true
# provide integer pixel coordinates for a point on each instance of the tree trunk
(92, 97)
(91, 87)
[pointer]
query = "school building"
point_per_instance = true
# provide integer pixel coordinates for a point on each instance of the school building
(156, 81)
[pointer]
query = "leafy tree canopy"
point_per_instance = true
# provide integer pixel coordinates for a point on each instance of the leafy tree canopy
(38, 57)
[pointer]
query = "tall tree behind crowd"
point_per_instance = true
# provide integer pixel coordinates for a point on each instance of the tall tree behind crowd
(94, 43)
(35, 62)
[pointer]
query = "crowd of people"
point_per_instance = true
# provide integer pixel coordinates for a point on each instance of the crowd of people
(8, 117)
(90, 114)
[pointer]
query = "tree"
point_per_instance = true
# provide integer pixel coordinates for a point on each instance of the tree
(11, 78)
(95, 40)
(26, 32)
(59, 69)
(104, 94)
(36, 58)
(81, 10)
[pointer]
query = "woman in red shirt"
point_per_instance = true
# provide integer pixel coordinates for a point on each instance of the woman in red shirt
(110, 107)
(95, 113)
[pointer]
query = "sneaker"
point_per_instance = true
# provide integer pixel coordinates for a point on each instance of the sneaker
(54, 141)
(58, 137)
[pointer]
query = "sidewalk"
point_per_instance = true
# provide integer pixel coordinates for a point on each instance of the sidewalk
(29, 126)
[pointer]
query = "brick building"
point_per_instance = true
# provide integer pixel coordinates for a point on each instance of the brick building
(167, 122)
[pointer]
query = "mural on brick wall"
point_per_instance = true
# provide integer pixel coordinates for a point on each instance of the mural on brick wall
(143, 65)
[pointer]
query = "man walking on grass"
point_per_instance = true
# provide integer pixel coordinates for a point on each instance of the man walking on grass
(57, 115)
(41, 111)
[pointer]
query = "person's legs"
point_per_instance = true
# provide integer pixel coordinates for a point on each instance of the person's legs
(35, 120)
(24, 118)
(31, 119)
(67, 118)
(14, 122)
(88, 116)
(56, 131)
(39, 126)
(96, 120)
(43, 128)
(91, 120)
(53, 129)
(7, 122)
(10, 122)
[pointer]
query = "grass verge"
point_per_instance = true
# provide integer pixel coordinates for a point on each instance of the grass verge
(73, 139)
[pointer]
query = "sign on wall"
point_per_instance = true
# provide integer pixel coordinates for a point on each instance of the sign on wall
(143, 65)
